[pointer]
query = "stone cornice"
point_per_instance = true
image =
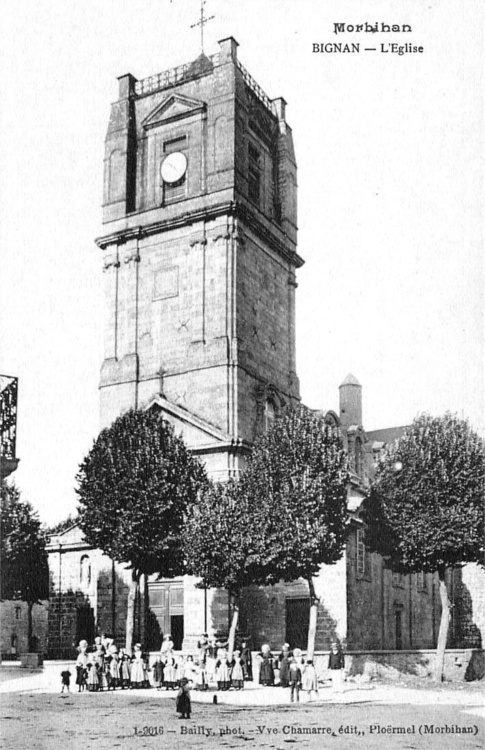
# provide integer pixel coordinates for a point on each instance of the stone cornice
(265, 230)
(235, 445)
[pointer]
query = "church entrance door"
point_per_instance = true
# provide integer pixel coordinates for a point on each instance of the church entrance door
(166, 601)
(297, 622)
(85, 624)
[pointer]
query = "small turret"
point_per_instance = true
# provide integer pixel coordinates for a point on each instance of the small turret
(350, 401)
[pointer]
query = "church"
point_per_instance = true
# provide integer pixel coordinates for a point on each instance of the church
(199, 257)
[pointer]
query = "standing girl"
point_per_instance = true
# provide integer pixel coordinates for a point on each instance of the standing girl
(211, 659)
(82, 666)
(125, 669)
(138, 670)
(183, 703)
(169, 673)
(223, 676)
(200, 675)
(266, 671)
(237, 675)
(309, 681)
(93, 674)
(284, 665)
(114, 667)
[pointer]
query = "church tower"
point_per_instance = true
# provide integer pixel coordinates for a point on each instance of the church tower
(199, 255)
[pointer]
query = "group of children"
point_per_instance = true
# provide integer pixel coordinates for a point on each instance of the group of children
(212, 664)
(103, 666)
(298, 674)
(294, 672)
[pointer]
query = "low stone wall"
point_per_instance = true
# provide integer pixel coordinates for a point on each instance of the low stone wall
(460, 664)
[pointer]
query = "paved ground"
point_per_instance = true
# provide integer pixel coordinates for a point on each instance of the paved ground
(34, 715)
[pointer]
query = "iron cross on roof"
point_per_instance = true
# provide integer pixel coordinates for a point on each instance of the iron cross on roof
(203, 20)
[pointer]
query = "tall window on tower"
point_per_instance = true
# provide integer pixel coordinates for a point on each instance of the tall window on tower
(173, 169)
(254, 174)
(358, 457)
(361, 552)
(269, 414)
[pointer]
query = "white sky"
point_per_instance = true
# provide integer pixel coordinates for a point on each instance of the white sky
(390, 157)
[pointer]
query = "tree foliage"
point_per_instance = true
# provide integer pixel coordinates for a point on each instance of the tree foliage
(297, 476)
(23, 556)
(24, 568)
(425, 510)
(223, 543)
(134, 488)
(222, 539)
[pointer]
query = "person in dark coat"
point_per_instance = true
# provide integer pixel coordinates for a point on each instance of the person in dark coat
(266, 671)
(284, 665)
(65, 680)
(158, 672)
(247, 663)
(125, 669)
(336, 665)
(183, 704)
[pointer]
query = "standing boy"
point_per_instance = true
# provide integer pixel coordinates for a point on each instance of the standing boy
(294, 680)
(65, 681)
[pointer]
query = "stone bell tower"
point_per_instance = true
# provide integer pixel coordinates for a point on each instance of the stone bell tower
(199, 255)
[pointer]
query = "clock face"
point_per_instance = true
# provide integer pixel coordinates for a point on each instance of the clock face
(173, 167)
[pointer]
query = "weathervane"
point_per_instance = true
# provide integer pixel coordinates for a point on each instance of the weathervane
(202, 23)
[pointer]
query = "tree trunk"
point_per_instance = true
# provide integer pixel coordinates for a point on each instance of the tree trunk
(312, 627)
(233, 628)
(130, 610)
(443, 633)
(30, 606)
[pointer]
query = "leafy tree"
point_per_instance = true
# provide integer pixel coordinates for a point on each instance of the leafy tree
(425, 510)
(24, 567)
(297, 476)
(223, 544)
(134, 488)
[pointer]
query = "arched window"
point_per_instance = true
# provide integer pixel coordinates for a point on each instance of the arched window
(85, 570)
(269, 414)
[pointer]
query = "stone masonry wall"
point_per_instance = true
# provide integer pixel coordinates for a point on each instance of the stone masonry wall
(88, 596)
(14, 627)
(263, 609)
(374, 598)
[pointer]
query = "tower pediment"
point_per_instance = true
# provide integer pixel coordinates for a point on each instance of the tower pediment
(195, 431)
(174, 107)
